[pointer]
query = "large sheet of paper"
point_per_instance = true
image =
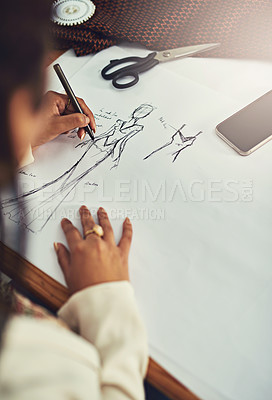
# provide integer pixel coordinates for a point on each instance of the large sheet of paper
(201, 256)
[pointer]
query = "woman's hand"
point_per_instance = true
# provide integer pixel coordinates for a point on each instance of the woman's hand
(93, 260)
(57, 118)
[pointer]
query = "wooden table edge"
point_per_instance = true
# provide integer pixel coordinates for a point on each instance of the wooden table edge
(54, 295)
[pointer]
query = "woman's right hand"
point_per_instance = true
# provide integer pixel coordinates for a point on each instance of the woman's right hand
(58, 116)
(93, 260)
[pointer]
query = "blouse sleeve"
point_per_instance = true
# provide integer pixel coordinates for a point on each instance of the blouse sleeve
(107, 316)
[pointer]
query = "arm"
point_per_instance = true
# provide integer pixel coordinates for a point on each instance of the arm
(162, 147)
(105, 135)
(108, 134)
(66, 366)
(103, 308)
(107, 316)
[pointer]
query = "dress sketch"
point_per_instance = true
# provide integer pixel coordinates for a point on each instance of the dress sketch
(176, 144)
(34, 213)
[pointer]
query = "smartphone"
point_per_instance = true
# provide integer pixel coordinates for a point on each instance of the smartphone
(249, 128)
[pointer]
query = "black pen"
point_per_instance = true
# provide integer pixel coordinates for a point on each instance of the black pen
(71, 95)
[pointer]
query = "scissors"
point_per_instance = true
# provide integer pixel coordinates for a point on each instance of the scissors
(142, 64)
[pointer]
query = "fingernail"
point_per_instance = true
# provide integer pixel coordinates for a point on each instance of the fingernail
(101, 209)
(87, 120)
(56, 247)
(82, 136)
(127, 220)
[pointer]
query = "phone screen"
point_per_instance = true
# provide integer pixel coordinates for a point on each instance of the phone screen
(250, 126)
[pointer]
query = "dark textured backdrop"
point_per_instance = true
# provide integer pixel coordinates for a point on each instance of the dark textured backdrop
(244, 27)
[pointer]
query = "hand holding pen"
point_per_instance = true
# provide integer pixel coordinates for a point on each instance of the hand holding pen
(59, 116)
(73, 99)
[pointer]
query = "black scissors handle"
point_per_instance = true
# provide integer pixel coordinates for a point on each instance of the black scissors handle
(140, 64)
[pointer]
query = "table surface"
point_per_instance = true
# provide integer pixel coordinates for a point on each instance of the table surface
(53, 294)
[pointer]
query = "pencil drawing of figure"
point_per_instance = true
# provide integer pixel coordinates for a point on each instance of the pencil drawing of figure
(119, 134)
(176, 144)
(107, 146)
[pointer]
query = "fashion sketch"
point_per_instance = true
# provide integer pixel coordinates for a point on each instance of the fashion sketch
(176, 144)
(38, 205)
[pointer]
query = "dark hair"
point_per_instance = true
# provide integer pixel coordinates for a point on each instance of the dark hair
(23, 41)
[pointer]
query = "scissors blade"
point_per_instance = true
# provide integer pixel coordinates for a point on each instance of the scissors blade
(183, 52)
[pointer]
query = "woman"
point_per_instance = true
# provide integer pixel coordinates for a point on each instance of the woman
(106, 355)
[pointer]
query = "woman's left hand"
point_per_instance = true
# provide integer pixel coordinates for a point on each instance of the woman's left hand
(93, 260)
(57, 118)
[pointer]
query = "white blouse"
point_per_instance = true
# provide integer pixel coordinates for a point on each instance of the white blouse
(106, 359)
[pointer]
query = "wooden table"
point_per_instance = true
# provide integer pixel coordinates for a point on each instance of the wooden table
(53, 294)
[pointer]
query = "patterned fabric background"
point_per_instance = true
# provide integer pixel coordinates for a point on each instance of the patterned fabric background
(243, 27)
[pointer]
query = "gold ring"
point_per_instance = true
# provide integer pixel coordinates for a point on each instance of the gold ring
(68, 104)
(97, 230)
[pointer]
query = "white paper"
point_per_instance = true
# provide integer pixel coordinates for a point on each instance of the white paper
(201, 254)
